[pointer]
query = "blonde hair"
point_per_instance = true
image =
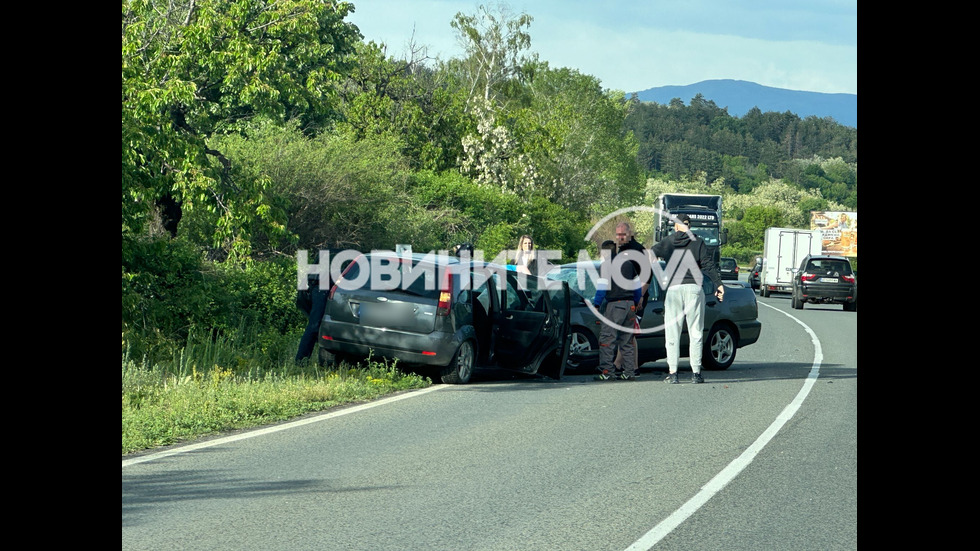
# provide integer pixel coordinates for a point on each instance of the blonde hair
(521, 252)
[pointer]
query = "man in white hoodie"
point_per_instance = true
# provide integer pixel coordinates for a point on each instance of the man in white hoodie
(685, 298)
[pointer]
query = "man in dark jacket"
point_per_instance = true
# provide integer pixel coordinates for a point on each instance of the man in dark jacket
(617, 296)
(627, 242)
(689, 259)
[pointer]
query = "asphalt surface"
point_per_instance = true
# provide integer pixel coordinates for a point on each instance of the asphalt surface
(513, 462)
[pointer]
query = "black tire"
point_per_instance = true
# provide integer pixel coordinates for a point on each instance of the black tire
(583, 340)
(763, 291)
(797, 303)
(851, 306)
(719, 348)
(326, 359)
(459, 371)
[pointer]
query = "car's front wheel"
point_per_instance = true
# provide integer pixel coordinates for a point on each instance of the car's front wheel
(582, 341)
(459, 371)
(719, 348)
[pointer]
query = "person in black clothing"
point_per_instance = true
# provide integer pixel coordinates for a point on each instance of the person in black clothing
(313, 301)
(463, 248)
(685, 299)
(617, 303)
(627, 242)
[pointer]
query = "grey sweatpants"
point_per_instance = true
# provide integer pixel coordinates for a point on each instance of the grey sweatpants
(685, 301)
(610, 338)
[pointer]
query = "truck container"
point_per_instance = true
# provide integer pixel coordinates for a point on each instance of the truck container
(783, 250)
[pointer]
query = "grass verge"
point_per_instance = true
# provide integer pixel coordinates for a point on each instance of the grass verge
(171, 402)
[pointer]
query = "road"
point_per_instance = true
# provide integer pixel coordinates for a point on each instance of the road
(761, 456)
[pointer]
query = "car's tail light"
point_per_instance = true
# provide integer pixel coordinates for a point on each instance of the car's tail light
(736, 269)
(444, 303)
(849, 279)
(807, 277)
(445, 296)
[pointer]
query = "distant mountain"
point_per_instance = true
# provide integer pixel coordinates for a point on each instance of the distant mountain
(740, 96)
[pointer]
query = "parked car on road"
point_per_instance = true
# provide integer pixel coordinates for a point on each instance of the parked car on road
(728, 325)
(825, 280)
(439, 313)
(755, 273)
(728, 267)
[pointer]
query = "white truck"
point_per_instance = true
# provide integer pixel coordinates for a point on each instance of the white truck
(783, 250)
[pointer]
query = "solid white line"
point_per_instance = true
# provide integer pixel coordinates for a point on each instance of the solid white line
(277, 428)
(726, 475)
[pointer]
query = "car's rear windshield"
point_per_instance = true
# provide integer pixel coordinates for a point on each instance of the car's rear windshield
(829, 266)
(423, 279)
(727, 263)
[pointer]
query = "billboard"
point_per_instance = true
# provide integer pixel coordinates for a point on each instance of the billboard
(839, 231)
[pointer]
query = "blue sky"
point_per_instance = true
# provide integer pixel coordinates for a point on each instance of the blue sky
(634, 45)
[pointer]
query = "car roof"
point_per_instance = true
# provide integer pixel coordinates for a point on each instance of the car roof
(436, 258)
(826, 257)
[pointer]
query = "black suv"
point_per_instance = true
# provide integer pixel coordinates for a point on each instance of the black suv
(825, 280)
(754, 278)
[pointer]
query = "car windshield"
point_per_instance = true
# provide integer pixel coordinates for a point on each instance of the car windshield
(727, 263)
(829, 266)
(709, 235)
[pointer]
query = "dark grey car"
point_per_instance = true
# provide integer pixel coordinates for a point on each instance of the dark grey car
(728, 268)
(825, 280)
(728, 325)
(434, 310)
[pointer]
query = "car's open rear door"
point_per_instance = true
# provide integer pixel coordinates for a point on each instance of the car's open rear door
(560, 302)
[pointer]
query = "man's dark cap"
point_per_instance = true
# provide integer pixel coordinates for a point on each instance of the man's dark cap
(684, 219)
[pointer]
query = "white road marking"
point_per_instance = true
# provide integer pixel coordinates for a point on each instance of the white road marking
(726, 475)
(276, 428)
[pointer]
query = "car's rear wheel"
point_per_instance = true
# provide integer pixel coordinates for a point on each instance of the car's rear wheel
(851, 306)
(582, 341)
(326, 359)
(460, 370)
(763, 291)
(719, 348)
(797, 302)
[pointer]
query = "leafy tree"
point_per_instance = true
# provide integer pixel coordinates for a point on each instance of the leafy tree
(337, 191)
(406, 100)
(197, 69)
(573, 132)
(494, 42)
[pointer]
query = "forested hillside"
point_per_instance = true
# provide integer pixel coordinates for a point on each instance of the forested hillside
(253, 129)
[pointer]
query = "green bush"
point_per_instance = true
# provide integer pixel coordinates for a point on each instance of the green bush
(171, 293)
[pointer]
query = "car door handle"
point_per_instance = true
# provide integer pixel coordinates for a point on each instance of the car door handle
(510, 317)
